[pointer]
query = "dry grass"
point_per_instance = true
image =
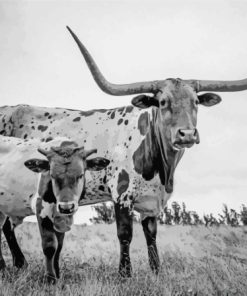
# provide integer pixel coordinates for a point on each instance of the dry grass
(195, 261)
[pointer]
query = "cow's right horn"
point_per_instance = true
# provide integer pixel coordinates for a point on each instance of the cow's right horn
(110, 88)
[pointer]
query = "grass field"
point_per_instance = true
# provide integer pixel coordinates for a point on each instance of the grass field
(195, 261)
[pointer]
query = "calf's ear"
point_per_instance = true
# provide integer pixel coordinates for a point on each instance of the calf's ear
(37, 165)
(97, 163)
(209, 99)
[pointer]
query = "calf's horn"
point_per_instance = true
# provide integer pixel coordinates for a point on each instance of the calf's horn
(43, 151)
(89, 152)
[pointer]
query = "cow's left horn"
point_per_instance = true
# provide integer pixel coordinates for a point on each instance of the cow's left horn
(110, 88)
(219, 86)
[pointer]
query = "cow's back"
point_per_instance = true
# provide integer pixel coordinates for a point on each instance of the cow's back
(116, 133)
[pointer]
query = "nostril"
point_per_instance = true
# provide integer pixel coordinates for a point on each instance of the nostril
(66, 208)
(181, 133)
(195, 132)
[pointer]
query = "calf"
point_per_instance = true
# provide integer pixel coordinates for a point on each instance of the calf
(61, 187)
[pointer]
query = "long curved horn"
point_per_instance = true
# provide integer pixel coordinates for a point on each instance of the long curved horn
(110, 88)
(219, 86)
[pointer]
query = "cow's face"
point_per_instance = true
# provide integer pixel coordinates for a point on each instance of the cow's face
(177, 105)
(67, 167)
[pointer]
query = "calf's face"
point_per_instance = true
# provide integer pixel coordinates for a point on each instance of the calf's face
(67, 167)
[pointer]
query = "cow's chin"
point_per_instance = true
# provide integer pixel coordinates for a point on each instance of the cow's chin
(180, 146)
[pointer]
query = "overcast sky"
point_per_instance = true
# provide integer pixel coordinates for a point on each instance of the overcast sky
(132, 41)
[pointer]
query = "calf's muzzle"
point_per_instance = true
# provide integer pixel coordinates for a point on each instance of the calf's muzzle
(67, 208)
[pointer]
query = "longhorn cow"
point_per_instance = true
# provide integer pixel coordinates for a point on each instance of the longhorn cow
(144, 142)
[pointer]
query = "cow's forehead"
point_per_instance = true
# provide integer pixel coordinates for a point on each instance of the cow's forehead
(70, 165)
(176, 89)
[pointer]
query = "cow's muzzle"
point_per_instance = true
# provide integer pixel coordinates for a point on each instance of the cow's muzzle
(67, 208)
(186, 138)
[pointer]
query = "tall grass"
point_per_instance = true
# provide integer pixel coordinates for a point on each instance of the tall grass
(194, 261)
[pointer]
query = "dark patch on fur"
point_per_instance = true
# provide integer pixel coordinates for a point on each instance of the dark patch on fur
(143, 123)
(101, 188)
(123, 182)
(49, 139)
(129, 109)
(49, 195)
(146, 158)
(49, 251)
(77, 119)
(113, 115)
(143, 161)
(120, 121)
(46, 223)
(126, 122)
(42, 128)
(91, 112)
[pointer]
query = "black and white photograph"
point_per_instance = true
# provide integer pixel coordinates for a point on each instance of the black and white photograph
(123, 133)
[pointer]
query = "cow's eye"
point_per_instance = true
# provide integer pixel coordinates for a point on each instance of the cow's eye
(197, 102)
(163, 103)
(52, 177)
(79, 177)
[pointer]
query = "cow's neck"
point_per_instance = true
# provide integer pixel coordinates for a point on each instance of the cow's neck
(168, 158)
(155, 156)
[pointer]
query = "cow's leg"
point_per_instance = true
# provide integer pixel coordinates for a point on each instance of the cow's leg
(149, 225)
(124, 222)
(2, 221)
(60, 238)
(18, 258)
(2, 262)
(49, 246)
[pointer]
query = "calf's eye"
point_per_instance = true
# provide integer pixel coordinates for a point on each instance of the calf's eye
(163, 103)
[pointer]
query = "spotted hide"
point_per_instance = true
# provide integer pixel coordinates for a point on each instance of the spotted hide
(53, 195)
(126, 136)
(144, 144)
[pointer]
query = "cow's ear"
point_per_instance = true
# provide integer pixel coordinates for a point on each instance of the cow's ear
(209, 99)
(97, 163)
(144, 101)
(37, 165)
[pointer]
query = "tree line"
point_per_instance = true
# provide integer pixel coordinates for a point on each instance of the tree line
(178, 215)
